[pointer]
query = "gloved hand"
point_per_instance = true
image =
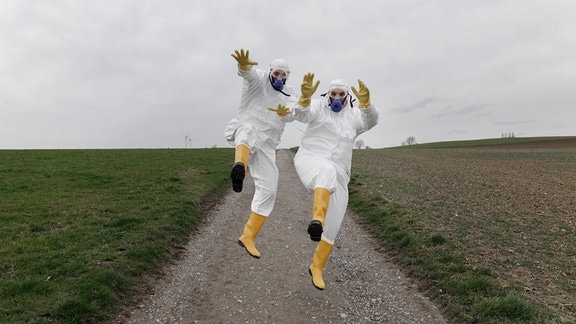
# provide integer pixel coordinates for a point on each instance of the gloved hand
(281, 110)
(307, 90)
(363, 94)
(243, 59)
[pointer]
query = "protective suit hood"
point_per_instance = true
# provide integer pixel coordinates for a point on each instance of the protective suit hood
(338, 84)
(280, 64)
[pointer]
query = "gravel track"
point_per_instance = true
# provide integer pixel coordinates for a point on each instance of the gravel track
(216, 281)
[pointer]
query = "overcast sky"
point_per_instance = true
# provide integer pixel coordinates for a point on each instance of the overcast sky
(150, 74)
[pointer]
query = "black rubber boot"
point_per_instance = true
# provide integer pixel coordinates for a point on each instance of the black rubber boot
(315, 230)
(238, 173)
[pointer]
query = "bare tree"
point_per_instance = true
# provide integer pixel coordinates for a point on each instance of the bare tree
(359, 144)
(411, 140)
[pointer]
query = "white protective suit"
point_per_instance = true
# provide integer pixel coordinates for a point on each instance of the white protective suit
(260, 130)
(324, 157)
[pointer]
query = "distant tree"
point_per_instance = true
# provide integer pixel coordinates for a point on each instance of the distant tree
(411, 140)
(359, 144)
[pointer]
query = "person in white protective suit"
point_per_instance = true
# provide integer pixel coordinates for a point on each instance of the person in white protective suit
(255, 133)
(324, 158)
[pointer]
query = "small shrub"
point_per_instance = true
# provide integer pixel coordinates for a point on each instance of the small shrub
(437, 239)
(511, 307)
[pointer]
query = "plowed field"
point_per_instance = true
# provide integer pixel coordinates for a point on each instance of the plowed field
(510, 208)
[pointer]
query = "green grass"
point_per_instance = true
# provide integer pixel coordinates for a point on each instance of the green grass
(438, 258)
(79, 227)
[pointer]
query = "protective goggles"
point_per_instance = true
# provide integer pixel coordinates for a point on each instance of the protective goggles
(337, 94)
(279, 74)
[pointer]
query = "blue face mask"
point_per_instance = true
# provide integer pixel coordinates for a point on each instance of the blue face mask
(336, 105)
(277, 83)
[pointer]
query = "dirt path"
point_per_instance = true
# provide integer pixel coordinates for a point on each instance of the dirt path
(216, 281)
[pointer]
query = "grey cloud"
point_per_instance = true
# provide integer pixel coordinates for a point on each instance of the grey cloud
(421, 104)
(142, 73)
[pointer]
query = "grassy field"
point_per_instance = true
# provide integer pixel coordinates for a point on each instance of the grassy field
(489, 231)
(79, 228)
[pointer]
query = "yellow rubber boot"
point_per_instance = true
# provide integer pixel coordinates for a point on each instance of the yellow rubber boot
(319, 209)
(251, 229)
(318, 261)
(238, 172)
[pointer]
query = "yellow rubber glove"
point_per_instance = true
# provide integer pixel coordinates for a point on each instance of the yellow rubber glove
(281, 110)
(307, 90)
(363, 94)
(243, 59)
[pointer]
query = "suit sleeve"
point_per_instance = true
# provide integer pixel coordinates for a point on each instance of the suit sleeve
(368, 118)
